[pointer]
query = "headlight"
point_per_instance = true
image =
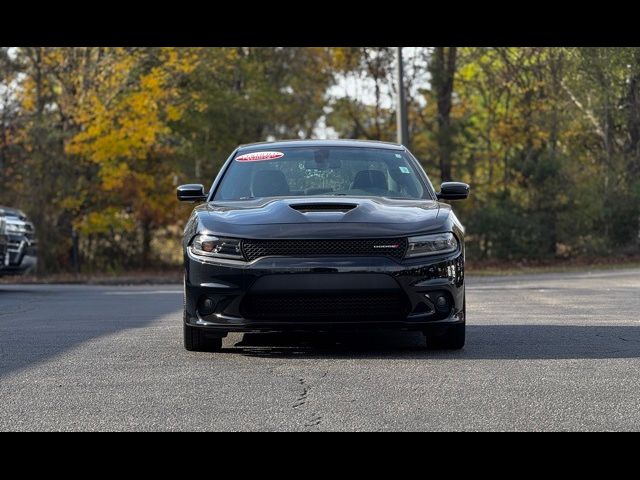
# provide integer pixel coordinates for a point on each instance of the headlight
(16, 228)
(210, 246)
(432, 244)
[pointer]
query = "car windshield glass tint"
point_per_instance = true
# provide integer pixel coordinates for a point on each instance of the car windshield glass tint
(321, 171)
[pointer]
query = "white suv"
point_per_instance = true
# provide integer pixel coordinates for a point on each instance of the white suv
(20, 255)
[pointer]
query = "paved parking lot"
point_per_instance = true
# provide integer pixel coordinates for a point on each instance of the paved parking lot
(549, 352)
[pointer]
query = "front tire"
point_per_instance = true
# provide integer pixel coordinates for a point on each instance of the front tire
(198, 340)
(452, 338)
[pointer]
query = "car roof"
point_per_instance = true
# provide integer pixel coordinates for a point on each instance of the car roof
(323, 143)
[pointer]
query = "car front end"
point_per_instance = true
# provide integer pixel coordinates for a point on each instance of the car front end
(321, 283)
(4, 241)
(21, 253)
(323, 236)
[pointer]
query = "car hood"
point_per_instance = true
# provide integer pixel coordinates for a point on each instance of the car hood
(337, 217)
(12, 212)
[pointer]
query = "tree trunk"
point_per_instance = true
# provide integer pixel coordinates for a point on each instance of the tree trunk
(443, 70)
(633, 120)
(633, 145)
(146, 243)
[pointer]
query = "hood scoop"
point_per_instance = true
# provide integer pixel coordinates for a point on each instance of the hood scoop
(323, 207)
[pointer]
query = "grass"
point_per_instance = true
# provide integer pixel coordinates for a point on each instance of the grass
(124, 278)
(579, 264)
(473, 268)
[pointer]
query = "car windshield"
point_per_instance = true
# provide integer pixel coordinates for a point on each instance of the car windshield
(321, 171)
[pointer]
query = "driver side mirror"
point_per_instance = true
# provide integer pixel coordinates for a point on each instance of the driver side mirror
(191, 193)
(453, 191)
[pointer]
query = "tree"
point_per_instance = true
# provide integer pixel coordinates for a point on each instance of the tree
(95, 139)
(443, 70)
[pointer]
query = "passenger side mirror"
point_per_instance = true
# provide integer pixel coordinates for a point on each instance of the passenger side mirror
(191, 193)
(453, 191)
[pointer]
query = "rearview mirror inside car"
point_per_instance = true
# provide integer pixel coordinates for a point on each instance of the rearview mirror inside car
(330, 164)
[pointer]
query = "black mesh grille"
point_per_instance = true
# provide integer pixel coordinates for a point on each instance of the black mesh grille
(383, 306)
(324, 207)
(385, 247)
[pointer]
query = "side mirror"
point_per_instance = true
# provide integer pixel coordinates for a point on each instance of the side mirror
(453, 191)
(191, 193)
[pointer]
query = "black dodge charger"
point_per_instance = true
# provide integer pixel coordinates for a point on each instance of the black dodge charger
(320, 235)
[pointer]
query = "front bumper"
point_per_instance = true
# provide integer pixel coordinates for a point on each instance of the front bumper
(284, 293)
(21, 256)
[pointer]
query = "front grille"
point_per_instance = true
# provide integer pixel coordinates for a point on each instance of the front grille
(312, 307)
(383, 247)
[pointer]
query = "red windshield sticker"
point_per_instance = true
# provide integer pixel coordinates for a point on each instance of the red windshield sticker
(259, 156)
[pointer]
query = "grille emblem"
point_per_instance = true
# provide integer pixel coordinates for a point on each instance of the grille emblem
(395, 245)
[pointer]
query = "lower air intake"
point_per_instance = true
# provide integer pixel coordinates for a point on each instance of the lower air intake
(379, 307)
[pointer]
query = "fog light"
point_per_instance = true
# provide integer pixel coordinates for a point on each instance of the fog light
(207, 306)
(442, 304)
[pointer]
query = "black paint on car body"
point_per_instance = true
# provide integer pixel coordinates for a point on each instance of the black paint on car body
(321, 235)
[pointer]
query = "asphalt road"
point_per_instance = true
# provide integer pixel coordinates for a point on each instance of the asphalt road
(552, 352)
